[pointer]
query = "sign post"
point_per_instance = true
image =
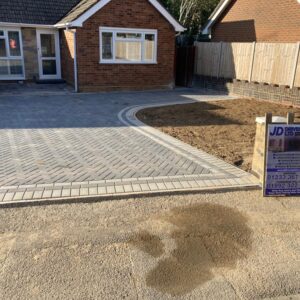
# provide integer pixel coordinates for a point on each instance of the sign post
(282, 158)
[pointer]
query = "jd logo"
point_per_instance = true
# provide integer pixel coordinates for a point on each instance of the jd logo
(277, 131)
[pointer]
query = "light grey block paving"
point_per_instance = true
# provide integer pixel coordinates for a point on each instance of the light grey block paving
(37, 195)
(84, 192)
(47, 194)
(145, 187)
(56, 193)
(75, 192)
(101, 190)
(136, 187)
(128, 188)
(111, 189)
(2, 195)
(93, 191)
(18, 196)
(28, 195)
(153, 186)
(80, 145)
(119, 189)
(66, 193)
(8, 196)
(177, 185)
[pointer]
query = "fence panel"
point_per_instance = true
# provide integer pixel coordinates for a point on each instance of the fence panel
(207, 59)
(272, 63)
(235, 60)
(263, 61)
(297, 77)
(284, 62)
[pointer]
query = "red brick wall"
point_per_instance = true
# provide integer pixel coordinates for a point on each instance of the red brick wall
(93, 76)
(67, 56)
(259, 20)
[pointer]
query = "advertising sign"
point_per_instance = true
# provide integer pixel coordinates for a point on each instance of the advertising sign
(283, 161)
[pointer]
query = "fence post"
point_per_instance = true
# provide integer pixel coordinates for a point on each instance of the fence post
(294, 70)
(290, 118)
(220, 59)
(252, 61)
(196, 58)
(268, 121)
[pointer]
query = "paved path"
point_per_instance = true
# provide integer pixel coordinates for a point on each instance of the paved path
(17, 89)
(77, 145)
(214, 246)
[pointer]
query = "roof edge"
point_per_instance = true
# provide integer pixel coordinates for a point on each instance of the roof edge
(177, 26)
(10, 24)
(215, 16)
(78, 22)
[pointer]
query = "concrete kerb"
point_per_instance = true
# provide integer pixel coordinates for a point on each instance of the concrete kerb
(124, 196)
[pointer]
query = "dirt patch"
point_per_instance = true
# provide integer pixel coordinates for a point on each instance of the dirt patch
(207, 237)
(148, 243)
(224, 128)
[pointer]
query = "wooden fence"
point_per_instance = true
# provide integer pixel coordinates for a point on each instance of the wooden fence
(272, 63)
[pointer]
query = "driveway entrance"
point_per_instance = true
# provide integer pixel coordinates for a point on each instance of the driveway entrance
(70, 145)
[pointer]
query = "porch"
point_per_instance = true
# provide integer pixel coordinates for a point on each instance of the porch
(29, 53)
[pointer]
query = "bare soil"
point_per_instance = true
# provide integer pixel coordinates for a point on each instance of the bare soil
(223, 128)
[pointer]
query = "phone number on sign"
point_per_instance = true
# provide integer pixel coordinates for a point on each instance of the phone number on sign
(288, 177)
(282, 185)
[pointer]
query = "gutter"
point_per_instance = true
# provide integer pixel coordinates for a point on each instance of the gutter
(8, 24)
(215, 15)
(63, 25)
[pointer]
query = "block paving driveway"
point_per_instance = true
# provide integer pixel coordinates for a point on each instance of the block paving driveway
(70, 145)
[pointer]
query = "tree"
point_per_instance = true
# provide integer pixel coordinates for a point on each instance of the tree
(191, 13)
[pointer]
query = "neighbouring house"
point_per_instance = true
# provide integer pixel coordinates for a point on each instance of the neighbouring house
(255, 20)
(92, 44)
(253, 50)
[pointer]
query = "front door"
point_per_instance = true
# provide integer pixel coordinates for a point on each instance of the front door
(48, 54)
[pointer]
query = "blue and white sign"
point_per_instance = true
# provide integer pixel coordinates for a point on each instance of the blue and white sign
(283, 161)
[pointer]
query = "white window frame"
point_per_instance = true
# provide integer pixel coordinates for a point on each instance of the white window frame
(114, 31)
(10, 57)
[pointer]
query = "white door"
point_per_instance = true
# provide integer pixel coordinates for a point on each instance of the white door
(48, 54)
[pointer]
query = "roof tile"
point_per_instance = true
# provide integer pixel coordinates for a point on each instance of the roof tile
(46, 12)
(78, 10)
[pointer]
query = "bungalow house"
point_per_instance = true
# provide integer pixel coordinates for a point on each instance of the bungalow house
(91, 44)
(255, 20)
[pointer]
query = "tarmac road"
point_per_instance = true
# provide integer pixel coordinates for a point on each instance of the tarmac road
(230, 245)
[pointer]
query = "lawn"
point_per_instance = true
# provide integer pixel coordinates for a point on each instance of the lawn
(224, 128)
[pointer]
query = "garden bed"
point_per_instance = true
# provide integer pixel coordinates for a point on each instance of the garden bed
(224, 128)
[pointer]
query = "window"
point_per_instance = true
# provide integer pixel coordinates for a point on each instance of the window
(118, 45)
(11, 56)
